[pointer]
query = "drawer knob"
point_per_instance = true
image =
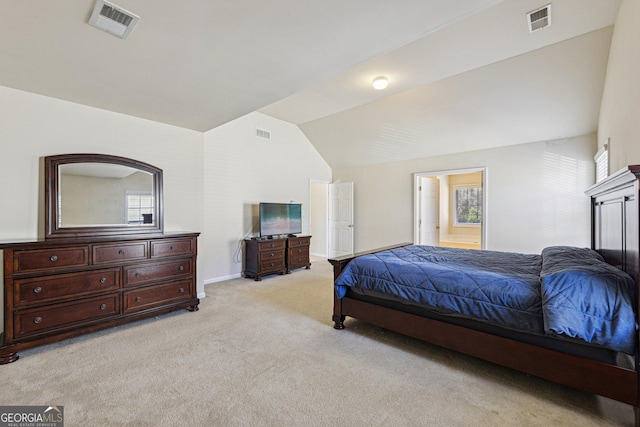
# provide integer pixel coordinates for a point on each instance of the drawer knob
(103, 280)
(54, 258)
(120, 252)
(37, 289)
(271, 264)
(138, 299)
(103, 306)
(182, 290)
(37, 319)
(272, 254)
(181, 268)
(170, 248)
(137, 275)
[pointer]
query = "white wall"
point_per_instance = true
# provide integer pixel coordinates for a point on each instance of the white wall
(535, 195)
(620, 110)
(34, 126)
(243, 170)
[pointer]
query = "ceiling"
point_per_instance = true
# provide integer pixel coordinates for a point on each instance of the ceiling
(464, 74)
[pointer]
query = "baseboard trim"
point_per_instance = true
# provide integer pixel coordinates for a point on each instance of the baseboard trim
(222, 278)
(202, 295)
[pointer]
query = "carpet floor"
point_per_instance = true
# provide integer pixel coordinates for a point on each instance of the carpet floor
(265, 354)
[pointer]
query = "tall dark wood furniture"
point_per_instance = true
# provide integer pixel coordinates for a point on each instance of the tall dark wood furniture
(83, 277)
(275, 256)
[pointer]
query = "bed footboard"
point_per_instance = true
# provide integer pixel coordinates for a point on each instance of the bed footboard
(339, 264)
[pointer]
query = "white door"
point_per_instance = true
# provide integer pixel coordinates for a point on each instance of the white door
(429, 211)
(340, 219)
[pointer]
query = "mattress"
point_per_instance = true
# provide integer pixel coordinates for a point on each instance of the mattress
(564, 292)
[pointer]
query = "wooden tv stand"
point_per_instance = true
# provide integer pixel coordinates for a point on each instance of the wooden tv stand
(263, 257)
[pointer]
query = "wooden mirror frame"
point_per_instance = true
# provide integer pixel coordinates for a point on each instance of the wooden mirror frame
(51, 186)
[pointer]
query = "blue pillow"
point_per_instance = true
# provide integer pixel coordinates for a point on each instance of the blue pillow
(586, 298)
(555, 258)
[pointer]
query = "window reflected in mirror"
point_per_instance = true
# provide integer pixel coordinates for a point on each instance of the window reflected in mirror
(98, 194)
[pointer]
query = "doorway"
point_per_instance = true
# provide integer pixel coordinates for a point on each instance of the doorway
(331, 216)
(450, 208)
(341, 216)
(318, 217)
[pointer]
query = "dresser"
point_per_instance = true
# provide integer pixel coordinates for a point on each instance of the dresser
(264, 257)
(60, 288)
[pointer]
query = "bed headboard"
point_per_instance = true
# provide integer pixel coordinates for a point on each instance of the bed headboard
(615, 220)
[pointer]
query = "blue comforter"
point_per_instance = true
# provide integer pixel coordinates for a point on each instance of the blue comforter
(540, 294)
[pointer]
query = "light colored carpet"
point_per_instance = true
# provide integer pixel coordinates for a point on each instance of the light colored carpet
(265, 354)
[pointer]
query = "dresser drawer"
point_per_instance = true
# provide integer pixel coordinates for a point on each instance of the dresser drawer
(119, 252)
(135, 275)
(270, 255)
(152, 296)
(65, 315)
(274, 264)
(165, 248)
(300, 251)
(299, 241)
(47, 259)
(46, 288)
(272, 245)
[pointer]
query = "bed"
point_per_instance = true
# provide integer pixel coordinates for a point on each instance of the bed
(569, 315)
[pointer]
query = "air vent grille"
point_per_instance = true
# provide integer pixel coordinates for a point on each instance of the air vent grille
(115, 15)
(261, 133)
(539, 18)
(113, 19)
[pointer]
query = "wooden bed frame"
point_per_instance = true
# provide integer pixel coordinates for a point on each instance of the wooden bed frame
(615, 234)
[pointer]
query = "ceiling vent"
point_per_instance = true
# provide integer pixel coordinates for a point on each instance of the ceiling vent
(113, 19)
(539, 19)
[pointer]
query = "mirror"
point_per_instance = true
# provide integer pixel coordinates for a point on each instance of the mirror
(97, 194)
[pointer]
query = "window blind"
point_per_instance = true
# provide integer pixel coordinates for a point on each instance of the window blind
(602, 163)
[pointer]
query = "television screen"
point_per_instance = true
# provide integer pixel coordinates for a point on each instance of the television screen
(280, 218)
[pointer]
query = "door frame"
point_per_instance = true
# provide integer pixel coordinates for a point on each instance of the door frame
(319, 216)
(416, 199)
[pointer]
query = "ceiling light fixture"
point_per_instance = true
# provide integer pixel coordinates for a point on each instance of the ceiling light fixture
(380, 83)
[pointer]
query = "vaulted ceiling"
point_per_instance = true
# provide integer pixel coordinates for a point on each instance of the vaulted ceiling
(464, 74)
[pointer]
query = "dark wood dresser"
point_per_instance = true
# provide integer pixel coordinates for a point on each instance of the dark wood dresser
(264, 257)
(275, 256)
(60, 288)
(298, 252)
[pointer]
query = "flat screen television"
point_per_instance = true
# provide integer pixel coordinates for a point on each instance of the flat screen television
(280, 218)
